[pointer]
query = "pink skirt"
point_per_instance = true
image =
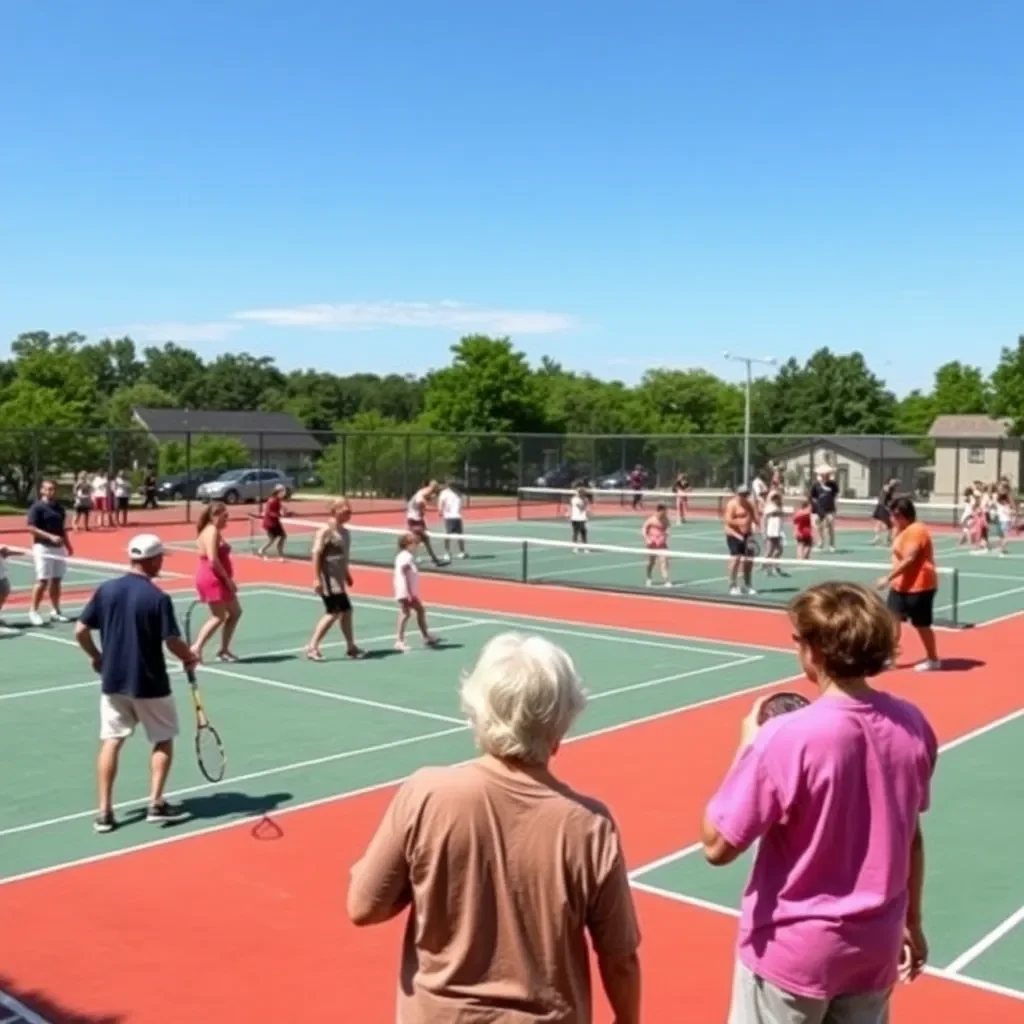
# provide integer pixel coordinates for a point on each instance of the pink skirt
(210, 588)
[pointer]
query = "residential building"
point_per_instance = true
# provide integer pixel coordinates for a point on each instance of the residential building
(969, 448)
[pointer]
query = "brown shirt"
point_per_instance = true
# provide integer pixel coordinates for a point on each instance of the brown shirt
(506, 872)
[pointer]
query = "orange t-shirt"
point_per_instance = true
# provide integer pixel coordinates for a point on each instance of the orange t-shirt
(920, 576)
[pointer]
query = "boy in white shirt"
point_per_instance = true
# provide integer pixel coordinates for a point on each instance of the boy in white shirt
(407, 592)
(449, 504)
(122, 498)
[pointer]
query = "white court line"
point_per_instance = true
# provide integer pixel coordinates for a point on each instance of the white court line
(295, 688)
(248, 777)
(984, 597)
(968, 956)
(340, 797)
(22, 1014)
(718, 908)
(634, 636)
(50, 689)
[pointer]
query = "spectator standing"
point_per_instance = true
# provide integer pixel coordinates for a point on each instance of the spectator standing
(51, 547)
(831, 916)
(503, 868)
(824, 496)
(135, 620)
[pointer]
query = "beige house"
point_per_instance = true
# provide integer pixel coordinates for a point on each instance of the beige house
(969, 448)
(862, 464)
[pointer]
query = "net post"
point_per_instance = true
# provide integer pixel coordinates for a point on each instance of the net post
(519, 502)
(956, 597)
(525, 564)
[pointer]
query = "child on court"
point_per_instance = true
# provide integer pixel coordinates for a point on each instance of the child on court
(773, 535)
(803, 529)
(407, 592)
(832, 795)
(578, 520)
(655, 534)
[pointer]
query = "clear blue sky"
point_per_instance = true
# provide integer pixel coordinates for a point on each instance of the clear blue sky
(617, 185)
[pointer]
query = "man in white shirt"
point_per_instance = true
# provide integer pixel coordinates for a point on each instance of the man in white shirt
(449, 504)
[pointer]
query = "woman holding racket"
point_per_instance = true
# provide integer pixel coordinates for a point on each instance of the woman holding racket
(273, 526)
(832, 795)
(215, 582)
(655, 534)
(331, 580)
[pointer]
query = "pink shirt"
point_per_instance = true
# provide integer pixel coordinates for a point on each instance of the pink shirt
(834, 792)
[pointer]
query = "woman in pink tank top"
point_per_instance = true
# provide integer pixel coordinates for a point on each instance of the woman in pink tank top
(655, 534)
(215, 583)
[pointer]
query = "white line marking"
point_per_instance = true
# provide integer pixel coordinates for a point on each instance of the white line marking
(635, 636)
(985, 942)
(351, 794)
(718, 908)
(632, 687)
(50, 689)
(22, 1014)
(231, 779)
(329, 694)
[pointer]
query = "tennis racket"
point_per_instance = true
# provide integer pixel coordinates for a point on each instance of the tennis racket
(753, 549)
(781, 704)
(209, 749)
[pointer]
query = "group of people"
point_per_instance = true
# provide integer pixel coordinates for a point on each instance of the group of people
(821, 938)
(988, 514)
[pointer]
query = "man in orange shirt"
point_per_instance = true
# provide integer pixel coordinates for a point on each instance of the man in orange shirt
(913, 581)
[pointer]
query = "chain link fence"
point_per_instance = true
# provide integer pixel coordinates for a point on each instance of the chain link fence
(378, 471)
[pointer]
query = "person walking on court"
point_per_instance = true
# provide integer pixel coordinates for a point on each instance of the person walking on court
(215, 582)
(503, 868)
(834, 792)
(51, 548)
(331, 580)
(135, 620)
(740, 519)
(913, 581)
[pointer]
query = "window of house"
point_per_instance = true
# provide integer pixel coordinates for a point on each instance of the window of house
(976, 456)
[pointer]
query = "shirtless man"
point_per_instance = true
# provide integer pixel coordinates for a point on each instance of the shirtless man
(740, 518)
(416, 517)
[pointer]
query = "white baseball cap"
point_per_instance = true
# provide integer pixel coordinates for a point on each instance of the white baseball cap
(145, 545)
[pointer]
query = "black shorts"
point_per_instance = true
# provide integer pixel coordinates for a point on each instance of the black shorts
(337, 604)
(881, 515)
(122, 503)
(453, 526)
(917, 609)
(274, 531)
(737, 546)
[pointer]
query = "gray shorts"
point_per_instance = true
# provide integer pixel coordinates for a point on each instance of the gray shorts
(756, 1001)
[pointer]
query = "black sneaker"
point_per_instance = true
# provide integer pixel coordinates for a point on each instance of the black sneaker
(166, 814)
(104, 823)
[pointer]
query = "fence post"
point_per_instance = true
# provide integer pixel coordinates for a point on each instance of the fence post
(521, 470)
(406, 454)
(189, 490)
(262, 460)
(344, 463)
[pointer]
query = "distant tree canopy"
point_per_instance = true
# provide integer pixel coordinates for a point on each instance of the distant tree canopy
(66, 383)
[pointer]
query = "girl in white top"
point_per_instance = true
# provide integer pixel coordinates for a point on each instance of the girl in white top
(449, 504)
(578, 518)
(773, 534)
(407, 592)
(1004, 513)
(101, 498)
(122, 497)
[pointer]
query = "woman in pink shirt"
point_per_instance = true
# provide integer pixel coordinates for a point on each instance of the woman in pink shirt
(831, 915)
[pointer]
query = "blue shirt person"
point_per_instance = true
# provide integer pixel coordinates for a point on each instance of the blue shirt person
(135, 620)
(50, 549)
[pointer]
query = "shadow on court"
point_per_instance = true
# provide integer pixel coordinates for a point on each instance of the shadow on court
(211, 806)
(51, 1010)
(373, 654)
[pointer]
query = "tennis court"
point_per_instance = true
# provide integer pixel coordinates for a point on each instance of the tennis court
(240, 910)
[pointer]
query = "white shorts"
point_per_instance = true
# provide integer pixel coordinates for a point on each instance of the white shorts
(119, 716)
(51, 563)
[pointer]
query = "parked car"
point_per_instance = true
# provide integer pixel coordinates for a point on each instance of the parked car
(238, 485)
(178, 486)
(564, 476)
(617, 481)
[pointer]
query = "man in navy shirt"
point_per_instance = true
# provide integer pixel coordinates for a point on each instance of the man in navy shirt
(50, 549)
(135, 620)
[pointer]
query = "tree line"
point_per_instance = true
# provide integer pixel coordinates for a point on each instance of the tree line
(65, 384)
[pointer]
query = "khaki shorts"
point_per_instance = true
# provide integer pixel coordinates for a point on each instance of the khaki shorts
(50, 563)
(756, 1001)
(120, 715)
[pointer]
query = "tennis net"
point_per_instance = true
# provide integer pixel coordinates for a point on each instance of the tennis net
(607, 567)
(553, 503)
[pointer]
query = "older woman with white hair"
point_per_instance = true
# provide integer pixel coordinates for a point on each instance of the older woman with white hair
(504, 868)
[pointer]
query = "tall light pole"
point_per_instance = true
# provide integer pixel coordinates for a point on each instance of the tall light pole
(748, 361)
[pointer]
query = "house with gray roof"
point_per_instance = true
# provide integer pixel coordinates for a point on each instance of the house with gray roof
(969, 448)
(862, 463)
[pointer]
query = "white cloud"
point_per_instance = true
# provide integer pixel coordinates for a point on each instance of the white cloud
(352, 316)
(183, 333)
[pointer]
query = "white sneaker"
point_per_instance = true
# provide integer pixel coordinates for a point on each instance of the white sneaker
(928, 666)
(734, 592)
(59, 617)
(36, 619)
(751, 592)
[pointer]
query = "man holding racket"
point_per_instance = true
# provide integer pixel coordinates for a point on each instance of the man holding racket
(51, 547)
(135, 620)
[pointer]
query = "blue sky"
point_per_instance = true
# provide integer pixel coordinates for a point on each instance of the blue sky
(618, 185)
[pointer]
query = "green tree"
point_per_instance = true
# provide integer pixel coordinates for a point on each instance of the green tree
(914, 414)
(241, 382)
(960, 390)
(214, 451)
(1007, 383)
(176, 371)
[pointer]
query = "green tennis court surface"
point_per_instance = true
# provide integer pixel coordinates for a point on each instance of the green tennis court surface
(986, 587)
(297, 732)
(974, 895)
